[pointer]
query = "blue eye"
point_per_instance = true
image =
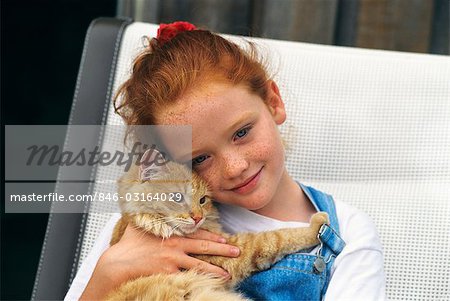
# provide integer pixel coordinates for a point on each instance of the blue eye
(242, 132)
(199, 159)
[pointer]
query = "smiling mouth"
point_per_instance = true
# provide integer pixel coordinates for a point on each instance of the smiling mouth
(248, 184)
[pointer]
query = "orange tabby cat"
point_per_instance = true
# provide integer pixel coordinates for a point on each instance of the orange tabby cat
(187, 207)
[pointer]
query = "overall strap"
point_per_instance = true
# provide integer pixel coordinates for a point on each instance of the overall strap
(322, 202)
(329, 237)
(331, 243)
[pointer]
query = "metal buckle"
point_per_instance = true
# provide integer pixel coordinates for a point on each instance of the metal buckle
(319, 255)
(322, 229)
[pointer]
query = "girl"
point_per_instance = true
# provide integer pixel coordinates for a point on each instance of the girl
(195, 77)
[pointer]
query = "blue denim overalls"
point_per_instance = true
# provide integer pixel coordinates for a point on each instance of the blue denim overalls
(300, 276)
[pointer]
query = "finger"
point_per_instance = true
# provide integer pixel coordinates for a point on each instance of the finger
(202, 266)
(206, 235)
(207, 247)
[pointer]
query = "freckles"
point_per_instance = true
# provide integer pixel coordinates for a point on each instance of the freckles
(260, 151)
(211, 174)
(209, 177)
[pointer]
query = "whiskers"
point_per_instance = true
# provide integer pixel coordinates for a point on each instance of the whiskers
(165, 226)
(177, 222)
(174, 228)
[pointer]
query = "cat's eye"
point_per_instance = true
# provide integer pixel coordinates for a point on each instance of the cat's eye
(202, 200)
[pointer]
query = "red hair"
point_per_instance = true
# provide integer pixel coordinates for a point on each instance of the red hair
(162, 73)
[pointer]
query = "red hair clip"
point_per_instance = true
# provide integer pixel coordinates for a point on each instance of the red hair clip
(166, 32)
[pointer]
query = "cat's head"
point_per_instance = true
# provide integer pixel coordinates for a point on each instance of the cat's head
(167, 193)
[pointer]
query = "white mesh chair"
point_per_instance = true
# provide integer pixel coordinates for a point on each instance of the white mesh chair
(370, 127)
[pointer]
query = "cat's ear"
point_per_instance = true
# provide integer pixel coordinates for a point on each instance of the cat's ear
(152, 165)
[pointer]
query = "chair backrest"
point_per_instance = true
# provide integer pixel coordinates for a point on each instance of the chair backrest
(370, 127)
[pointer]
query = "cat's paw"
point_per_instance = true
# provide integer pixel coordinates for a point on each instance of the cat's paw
(318, 219)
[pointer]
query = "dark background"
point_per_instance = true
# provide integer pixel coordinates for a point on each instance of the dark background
(41, 46)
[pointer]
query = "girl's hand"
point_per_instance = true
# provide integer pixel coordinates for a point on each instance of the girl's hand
(139, 254)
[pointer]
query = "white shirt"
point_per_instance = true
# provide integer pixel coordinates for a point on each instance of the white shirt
(357, 273)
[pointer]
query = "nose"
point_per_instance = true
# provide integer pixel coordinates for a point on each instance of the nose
(234, 164)
(196, 218)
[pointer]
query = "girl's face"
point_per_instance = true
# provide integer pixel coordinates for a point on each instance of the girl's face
(236, 146)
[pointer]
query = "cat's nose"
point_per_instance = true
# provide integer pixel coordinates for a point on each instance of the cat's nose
(196, 219)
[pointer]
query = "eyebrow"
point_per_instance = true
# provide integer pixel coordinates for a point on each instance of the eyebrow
(242, 118)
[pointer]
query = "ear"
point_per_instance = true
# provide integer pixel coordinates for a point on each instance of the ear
(152, 165)
(275, 103)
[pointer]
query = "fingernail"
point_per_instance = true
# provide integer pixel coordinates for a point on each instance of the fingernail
(222, 240)
(235, 251)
